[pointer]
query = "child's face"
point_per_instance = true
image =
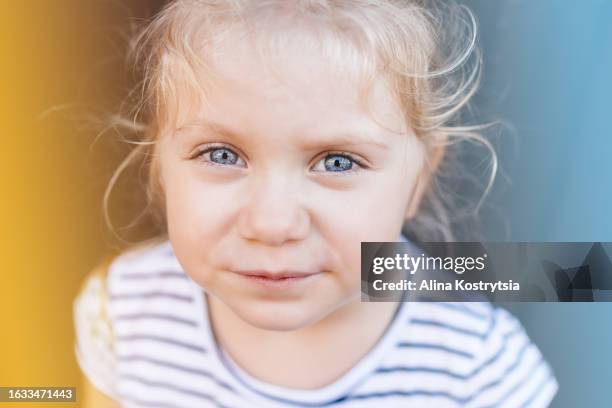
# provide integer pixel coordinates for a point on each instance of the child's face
(291, 178)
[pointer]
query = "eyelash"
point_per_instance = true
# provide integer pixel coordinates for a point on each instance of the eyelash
(210, 148)
(207, 149)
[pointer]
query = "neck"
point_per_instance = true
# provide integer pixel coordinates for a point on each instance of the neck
(329, 348)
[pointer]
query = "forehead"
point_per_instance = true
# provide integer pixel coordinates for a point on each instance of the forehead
(291, 80)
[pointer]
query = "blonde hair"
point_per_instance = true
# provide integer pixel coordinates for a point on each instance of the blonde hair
(427, 50)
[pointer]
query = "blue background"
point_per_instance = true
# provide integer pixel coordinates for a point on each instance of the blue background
(548, 71)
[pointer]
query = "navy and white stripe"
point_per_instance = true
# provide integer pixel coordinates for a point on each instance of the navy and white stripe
(158, 351)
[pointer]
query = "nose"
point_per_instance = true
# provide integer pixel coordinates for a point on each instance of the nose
(273, 213)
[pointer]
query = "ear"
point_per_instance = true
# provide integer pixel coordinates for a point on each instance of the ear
(423, 180)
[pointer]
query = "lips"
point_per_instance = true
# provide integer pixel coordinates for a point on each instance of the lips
(279, 281)
(274, 275)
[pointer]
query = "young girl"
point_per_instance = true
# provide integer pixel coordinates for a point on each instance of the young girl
(278, 136)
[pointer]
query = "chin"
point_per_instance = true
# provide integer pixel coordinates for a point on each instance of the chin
(277, 316)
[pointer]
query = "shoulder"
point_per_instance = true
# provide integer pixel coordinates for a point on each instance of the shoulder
(464, 324)
(142, 283)
(146, 277)
(147, 257)
(95, 307)
(485, 353)
(510, 369)
(143, 260)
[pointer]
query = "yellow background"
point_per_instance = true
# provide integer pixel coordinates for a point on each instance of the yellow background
(61, 68)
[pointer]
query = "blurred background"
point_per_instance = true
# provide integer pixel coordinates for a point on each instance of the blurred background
(547, 72)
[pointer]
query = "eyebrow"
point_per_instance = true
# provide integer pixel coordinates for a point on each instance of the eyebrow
(349, 137)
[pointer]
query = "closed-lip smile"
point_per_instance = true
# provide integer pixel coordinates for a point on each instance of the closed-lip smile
(275, 275)
(282, 280)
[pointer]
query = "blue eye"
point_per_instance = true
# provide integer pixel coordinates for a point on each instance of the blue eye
(222, 156)
(336, 162)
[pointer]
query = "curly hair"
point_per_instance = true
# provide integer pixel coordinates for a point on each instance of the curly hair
(427, 51)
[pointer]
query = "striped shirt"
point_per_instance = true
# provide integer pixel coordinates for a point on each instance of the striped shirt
(143, 337)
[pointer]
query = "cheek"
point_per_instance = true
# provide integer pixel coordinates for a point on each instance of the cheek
(373, 212)
(375, 208)
(198, 213)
